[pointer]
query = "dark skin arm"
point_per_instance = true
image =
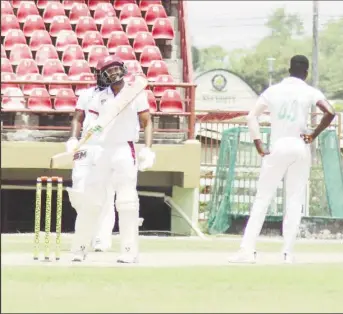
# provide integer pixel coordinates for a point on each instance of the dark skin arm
(76, 123)
(262, 151)
(146, 123)
(329, 115)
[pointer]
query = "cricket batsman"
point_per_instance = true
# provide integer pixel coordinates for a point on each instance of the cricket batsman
(289, 103)
(115, 168)
(83, 159)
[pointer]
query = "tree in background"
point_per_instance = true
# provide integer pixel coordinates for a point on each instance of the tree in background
(284, 40)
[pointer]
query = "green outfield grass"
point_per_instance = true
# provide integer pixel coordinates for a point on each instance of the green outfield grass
(263, 289)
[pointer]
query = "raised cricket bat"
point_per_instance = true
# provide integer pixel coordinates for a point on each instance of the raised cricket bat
(124, 97)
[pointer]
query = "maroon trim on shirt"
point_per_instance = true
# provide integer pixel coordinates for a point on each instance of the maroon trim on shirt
(95, 112)
(133, 151)
(146, 110)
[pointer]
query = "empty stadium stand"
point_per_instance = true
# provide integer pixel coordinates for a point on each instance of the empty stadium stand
(44, 42)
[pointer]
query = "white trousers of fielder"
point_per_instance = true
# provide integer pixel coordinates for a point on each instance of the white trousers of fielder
(290, 157)
(103, 226)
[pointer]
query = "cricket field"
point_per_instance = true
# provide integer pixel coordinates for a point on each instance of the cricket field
(175, 274)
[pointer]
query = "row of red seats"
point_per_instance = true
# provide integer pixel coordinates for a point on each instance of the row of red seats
(65, 99)
(75, 52)
(78, 10)
(78, 67)
(66, 38)
(92, 4)
(10, 27)
(60, 77)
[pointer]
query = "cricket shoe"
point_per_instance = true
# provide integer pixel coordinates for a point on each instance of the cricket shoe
(98, 246)
(79, 255)
(243, 257)
(288, 258)
(127, 259)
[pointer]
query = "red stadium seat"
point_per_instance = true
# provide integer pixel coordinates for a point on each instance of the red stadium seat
(162, 29)
(33, 23)
(27, 88)
(14, 36)
(92, 4)
(159, 90)
(125, 52)
(135, 25)
(110, 24)
(58, 77)
(117, 38)
(25, 9)
(41, 4)
(84, 24)
(44, 53)
(13, 99)
(68, 4)
(91, 38)
(73, 52)
(8, 22)
(53, 8)
(6, 8)
(3, 52)
(7, 77)
(84, 77)
(102, 10)
(64, 39)
(39, 99)
(6, 66)
(119, 4)
(141, 40)
(145, 4)
(155, 69)
(19, 52)
(96, 53)
(26, 66)
(149, 53)
(51, 67)
(154, 12)
(77, 68)
(128, 11)
(151, 100)
(39, 38)
(78, 10)
(15, 3)
(65, 99)
(133, 67)
(58, 24)
(171, 101)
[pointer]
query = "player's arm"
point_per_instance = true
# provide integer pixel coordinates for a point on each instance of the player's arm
(146, 123)
(76, 123)
(328, 115)
(146, 155)
(253, 124)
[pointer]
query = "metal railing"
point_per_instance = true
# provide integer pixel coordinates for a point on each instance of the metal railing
(188, 102)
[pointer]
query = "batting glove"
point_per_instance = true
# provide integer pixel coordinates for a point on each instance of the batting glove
(146, 159)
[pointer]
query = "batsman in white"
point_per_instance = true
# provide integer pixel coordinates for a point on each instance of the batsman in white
(116, 167)
(289, 104)
(84, 158)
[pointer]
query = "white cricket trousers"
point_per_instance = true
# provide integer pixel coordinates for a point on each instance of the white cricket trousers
(115, 169)
(291, 157)
(83, 163)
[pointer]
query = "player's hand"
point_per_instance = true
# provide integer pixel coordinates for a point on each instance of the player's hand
(146, 159)
(308, 138)
(71, 144)
(262, 151)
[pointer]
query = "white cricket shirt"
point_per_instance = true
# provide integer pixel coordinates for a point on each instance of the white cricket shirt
(125, 127)
(289, 104)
